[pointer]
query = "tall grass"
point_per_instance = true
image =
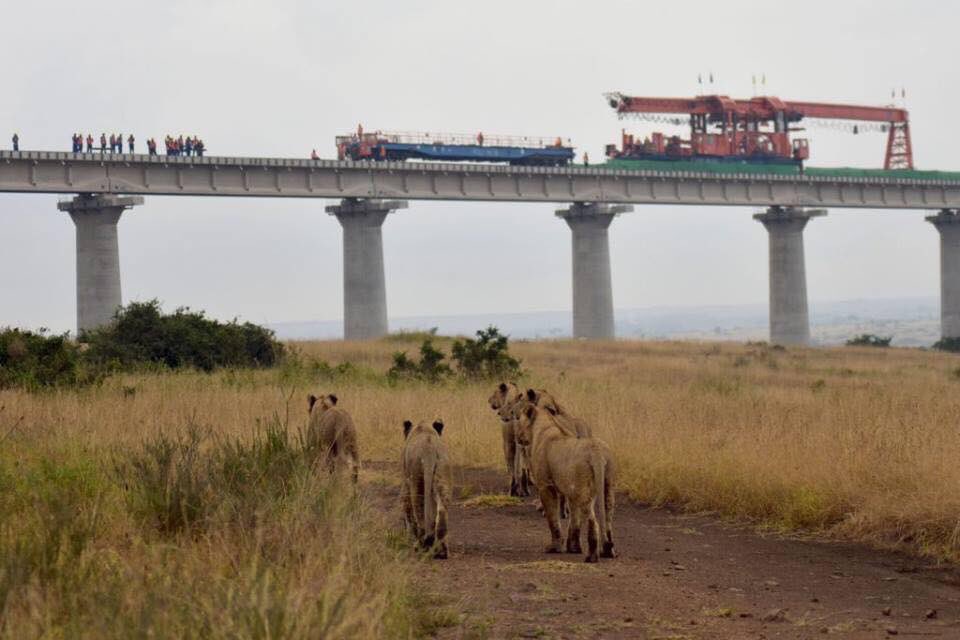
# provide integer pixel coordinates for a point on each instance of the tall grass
(195, 535)
(176, 504)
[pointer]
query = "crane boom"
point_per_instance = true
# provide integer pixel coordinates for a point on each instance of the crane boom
(848, 112)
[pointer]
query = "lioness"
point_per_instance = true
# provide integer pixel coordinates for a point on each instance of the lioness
(545, 399)
(331, 435)
(579, 469)
(502, 398)
(520, 481)
(426, 490)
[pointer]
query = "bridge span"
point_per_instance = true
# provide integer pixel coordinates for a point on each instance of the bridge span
(107, 184)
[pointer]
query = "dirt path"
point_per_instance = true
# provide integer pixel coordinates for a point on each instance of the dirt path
(677, 576)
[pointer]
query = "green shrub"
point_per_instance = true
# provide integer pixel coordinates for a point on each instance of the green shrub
(36, 360)
(948, 344)
(869, 340)
(141, 334)
(431, 367)
(487, 357)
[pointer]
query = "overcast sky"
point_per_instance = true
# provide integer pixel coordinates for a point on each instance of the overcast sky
(282, 77)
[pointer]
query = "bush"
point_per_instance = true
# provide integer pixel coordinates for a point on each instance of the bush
(183, 484)
(869, 340)
(36, 360)
(948, 344)
(141, 334)
(431, 367)
(486, 357)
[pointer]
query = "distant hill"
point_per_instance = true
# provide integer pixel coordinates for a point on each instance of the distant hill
(911, 322)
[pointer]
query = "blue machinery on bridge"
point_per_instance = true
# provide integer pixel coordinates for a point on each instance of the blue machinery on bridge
(369, 190)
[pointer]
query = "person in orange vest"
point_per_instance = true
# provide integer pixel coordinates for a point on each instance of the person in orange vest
(113, 143)
(313, 155)
(103, 143)
(89, 143)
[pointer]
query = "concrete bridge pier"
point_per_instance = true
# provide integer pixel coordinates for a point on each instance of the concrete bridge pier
(789, 316)
(98, 255)
(947, 223)
(364, 288)
(592, 287)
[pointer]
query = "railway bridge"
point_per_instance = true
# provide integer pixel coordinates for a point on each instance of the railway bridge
(107, 185)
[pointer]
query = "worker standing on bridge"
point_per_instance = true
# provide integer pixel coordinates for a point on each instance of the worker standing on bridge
(313, 155)
(189, 145)
(113, 143)
(16, 141)
(198, 146)
(130, 142)
(89, 143)
(103, 143)
(480, 138)
(586, 159)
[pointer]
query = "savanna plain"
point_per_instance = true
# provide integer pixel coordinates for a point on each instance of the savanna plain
(177, 504)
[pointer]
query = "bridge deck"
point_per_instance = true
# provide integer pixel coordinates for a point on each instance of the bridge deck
(141, 174)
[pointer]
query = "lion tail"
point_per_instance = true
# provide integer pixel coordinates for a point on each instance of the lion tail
(429, 500)
(599, 464)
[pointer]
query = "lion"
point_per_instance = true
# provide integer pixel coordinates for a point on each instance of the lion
(520, 481)
(502, 398)
(579, 469)
(331, 437)
(543, 398)
(426, 485)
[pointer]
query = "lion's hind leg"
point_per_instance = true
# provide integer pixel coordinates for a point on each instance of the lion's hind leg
(593, 534)
(573, 530)
(550, 498)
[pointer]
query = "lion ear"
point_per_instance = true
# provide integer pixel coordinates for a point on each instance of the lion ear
(531, 395)
(333, 398)
(311, 400)
(407, 425)
(503, 386)
(438, 427)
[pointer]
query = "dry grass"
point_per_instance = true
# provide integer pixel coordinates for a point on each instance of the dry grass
(491, 501)
(862, 443)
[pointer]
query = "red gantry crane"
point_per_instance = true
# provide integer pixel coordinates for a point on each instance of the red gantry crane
(754, 130)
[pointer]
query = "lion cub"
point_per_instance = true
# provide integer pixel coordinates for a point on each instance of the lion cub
(331, 436)
(426, 485)
(578, 469)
